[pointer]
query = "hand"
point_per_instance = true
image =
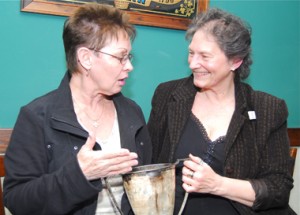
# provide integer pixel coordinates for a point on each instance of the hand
(197, 176)
(99, 164)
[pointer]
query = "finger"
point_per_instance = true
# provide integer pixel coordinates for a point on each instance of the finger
(119, 165)
(118, 153)
(187, 172)
(120, 171)
(191, 165)
(188, 188)
(192, 175)
(122, 168)
(196, 159)
(188, 182)
(90, 142)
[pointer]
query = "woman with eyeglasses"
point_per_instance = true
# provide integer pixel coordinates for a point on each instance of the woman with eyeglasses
(71, 145)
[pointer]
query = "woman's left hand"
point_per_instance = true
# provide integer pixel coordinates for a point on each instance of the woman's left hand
(197, 176)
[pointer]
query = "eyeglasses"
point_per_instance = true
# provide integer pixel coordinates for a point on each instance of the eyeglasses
(122, 60)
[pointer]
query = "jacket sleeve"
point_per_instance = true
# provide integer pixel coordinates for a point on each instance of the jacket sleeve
(29, 188)
(274, 182)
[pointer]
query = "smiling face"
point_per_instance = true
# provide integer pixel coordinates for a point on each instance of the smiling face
(210, 66)
(107, 73)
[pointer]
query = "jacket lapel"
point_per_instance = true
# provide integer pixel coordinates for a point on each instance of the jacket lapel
(129, 123)
(63, 117)
(238, 117)
(179, 111)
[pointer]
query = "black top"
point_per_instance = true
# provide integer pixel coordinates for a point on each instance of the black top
(195, 140)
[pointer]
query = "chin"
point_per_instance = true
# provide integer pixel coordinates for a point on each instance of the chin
(199, 84)
(116, 91)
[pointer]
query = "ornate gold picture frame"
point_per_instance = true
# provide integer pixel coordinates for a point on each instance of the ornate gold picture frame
(174, 14)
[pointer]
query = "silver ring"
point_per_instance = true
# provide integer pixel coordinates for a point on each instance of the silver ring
(192, 174)
(201, 162)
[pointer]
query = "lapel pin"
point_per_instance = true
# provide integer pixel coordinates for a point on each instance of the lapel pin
(251, 115)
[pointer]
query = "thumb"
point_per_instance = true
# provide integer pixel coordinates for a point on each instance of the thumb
(90, 142)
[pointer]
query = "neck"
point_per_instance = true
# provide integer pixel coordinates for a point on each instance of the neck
(83, 93)
(87, 106)
(219, 96)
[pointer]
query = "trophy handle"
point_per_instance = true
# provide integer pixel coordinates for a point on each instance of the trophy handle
(111, 195)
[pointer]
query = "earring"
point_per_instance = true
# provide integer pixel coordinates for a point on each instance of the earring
(87, 71)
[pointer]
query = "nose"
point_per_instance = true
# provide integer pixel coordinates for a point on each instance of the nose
(194, 62)
(128, 66)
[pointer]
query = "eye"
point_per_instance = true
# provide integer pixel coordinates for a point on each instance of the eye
(126, 57)
(191, 53)
(205, 57)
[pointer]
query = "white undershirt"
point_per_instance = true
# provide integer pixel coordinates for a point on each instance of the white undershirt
(105, 204)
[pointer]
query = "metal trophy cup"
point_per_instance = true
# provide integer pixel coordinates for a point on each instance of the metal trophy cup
(151, 189)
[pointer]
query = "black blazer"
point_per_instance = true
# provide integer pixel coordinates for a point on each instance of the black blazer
(255, 149)
(42, 172)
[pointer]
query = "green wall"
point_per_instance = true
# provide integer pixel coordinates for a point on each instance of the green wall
(32, 56)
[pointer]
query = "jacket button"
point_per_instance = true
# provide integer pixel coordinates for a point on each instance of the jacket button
(48, 146)
(75, 148)
(141, 143)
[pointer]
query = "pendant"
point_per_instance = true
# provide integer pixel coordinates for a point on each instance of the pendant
(95, 124)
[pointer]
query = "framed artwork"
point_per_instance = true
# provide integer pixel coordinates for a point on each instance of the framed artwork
(174, 14)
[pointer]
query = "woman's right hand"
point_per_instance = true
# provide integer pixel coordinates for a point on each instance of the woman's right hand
(99, 164)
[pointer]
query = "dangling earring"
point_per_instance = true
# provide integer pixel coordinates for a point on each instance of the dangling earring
(87, 71)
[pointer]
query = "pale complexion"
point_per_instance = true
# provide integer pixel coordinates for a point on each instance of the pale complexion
(213, 105)
(99, 77)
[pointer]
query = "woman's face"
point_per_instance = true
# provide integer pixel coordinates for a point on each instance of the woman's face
(108, 75)
(210, 66)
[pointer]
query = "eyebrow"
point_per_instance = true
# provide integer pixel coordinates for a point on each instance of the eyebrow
(123, 50)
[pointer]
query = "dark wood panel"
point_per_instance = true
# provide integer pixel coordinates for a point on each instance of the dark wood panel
(2, 174)
(294, 135)
(4, 138)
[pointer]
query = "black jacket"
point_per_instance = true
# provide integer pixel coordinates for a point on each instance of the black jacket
(255, 149)
(42, 172)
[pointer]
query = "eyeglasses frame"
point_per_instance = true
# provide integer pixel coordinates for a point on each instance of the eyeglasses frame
(122, 60)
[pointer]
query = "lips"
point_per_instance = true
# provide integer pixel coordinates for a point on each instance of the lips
(123, 81)
(201, 73)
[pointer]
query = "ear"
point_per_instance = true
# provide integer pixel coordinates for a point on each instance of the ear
(236, 62)
(84, 58)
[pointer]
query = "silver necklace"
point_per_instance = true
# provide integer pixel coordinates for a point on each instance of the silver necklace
(94, 122)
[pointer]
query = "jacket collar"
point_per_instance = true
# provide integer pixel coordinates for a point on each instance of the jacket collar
(63, 116)
(240, 114)
(179, 110)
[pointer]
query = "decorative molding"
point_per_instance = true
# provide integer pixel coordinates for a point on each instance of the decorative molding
(141, 12)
